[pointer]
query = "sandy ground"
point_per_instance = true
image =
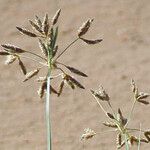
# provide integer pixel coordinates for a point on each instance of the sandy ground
(124, 54)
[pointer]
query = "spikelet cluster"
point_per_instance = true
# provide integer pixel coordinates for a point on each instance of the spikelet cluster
(45, 31)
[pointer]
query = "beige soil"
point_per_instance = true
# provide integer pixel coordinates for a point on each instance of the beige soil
(124, 54)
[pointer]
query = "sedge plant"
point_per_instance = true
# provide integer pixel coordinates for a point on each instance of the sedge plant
(46, 32)
(125, 136)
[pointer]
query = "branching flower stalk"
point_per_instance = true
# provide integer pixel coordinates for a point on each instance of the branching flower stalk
(47, 32)
(118, 122)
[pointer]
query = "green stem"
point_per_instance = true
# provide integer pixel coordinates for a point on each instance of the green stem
(48, 120)
(126, 142)
(139, 142)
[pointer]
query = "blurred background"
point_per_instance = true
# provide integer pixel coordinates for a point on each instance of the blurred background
(124, 53)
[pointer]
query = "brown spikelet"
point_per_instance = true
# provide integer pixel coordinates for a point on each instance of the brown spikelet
(147, 135)
(56, 16)
(41, 89)
(31, 74)
(10, 59)
(61, 88)
(52, 90)
(75, 82)
(110, 116)
(109, 124)
(85, 27)
(120, 113)
(134, 140)
(12, 48)
(101, 94)
(22, 66)
(122, 144)
(26, 32)
(118, 140)
(35, 27)
(70, 84)
(91, 41)
(76, 71)
(43, 48)
(38, 21)
(4, 53)
(143, 102)
(142, 95)
(122, 120)
(45, 25)
(144, 141)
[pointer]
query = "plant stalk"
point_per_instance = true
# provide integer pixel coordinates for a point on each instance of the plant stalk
(48, 117)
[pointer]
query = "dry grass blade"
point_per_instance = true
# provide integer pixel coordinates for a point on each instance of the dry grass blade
(75, 82)
(22, 66)
(31, 74)
(43, 48)
(10, 59)
(12, 48)
(61, 88)
(91, 41)
(38, 21)
(4, 53)
(56, 16)
(35, 27)
(26, 32)
(76, 71)
(41, 89)
(45, 24)
(85, 27)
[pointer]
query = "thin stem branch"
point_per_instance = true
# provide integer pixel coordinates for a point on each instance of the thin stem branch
(131, 112)
(36, 55)
(100, 105)
(67, 48)
(104, 132)
(135, 130)
(109, 104)
(139, 142)
(23, 56)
